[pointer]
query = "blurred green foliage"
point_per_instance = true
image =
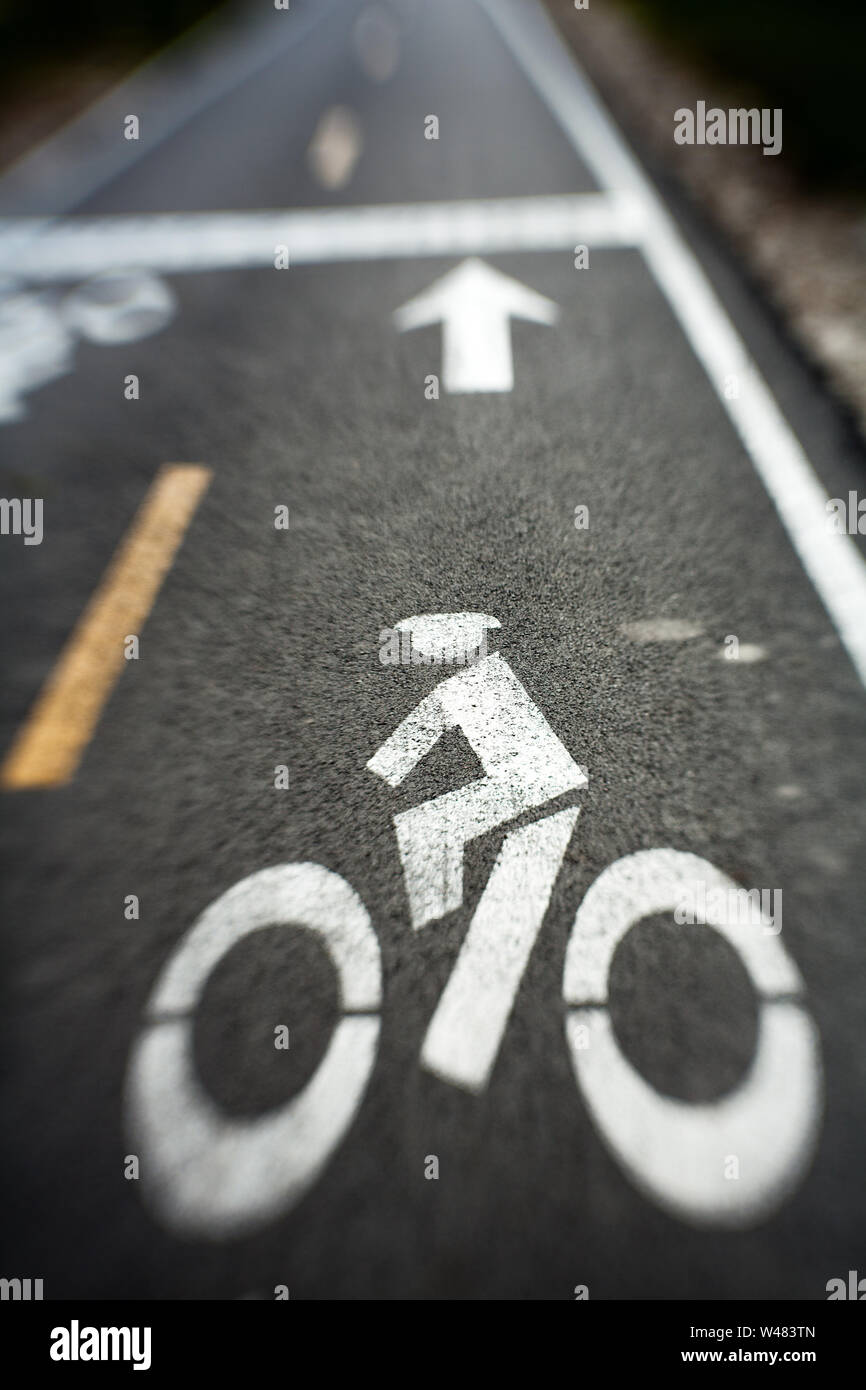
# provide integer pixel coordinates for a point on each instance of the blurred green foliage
(806, 56)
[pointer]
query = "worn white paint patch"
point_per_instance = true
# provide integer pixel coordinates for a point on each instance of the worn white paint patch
(377, 43)
(675, 1151)
(335, 147)
(206, 1173)
(41, 249)
(661, 630)
(475, 305)
(748, 653)
(38, 332)
(35, 347)
(119, 306)
(789, 791)
(524, 762)
(466, 1031)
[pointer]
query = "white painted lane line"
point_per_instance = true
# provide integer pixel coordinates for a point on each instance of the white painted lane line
(834, 565)
(39, 249)
(539, 52)
(475, 305)
(831, 560)
(467, 1028)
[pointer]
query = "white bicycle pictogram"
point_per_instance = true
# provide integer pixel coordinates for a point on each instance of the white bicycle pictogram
(209, 1174)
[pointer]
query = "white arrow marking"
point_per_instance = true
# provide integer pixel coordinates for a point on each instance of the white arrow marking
(475, 305)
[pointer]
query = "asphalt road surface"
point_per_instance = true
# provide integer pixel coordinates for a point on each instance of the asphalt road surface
(520, 1107)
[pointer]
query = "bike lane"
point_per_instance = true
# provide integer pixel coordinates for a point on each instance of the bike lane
(263, 651)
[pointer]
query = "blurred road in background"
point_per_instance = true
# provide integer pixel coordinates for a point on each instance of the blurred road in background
(376, 319)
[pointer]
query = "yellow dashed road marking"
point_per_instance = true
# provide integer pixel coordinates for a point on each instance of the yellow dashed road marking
(51, 743)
